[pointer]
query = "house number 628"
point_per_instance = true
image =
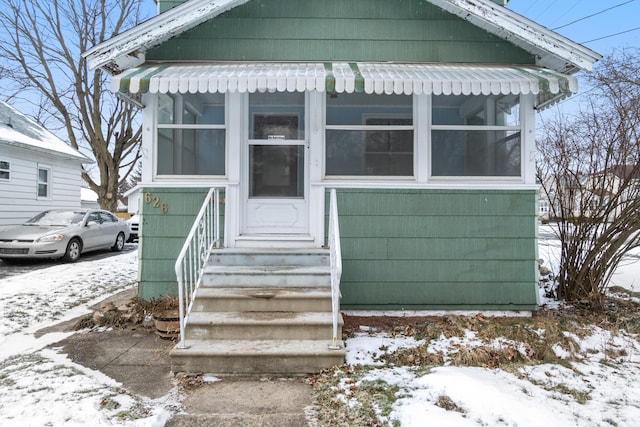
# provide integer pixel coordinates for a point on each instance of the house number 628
(154, 199)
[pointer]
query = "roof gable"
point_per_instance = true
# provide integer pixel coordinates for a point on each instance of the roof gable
(399, 31)
(19, 130)
(128, 49)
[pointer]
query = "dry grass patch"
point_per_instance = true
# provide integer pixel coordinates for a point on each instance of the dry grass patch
(504, 341)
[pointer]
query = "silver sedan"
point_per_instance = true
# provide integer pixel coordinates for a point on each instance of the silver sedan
(63, 234)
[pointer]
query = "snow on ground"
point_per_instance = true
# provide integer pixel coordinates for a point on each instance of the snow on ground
(41, 386)
(598, 391)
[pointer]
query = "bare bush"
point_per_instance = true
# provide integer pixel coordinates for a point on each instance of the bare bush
(589, 168)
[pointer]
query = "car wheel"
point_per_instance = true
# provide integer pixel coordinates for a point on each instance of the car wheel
(74, 248)
(119, 245)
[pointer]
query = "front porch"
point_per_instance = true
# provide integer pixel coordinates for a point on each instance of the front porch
(261, 311)
(256, 310)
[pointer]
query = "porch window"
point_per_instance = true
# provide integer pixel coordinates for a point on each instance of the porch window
(369, 135)
(44, 178)
(476, 136)
(191, 134)
(5, 170)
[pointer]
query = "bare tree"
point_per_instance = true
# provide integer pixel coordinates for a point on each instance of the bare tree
(41, 43)
(589, 167)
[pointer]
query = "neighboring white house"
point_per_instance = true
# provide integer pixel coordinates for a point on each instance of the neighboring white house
(583, 194)
(89, 198)
(38, 170)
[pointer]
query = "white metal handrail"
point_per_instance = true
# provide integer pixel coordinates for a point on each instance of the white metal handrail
(204, 235)
(335, 256)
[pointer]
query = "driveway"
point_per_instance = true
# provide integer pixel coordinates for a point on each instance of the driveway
(14, 268)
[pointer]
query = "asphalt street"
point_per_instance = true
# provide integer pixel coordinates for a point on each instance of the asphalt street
(16, 267)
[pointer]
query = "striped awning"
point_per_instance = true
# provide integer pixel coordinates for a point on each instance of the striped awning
(343, 77)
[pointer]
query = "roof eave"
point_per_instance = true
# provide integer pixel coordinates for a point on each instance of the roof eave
(81, 158)
(551, 50)
(127, 50)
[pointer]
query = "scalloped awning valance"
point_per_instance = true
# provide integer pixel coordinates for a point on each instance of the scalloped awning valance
(342, 77)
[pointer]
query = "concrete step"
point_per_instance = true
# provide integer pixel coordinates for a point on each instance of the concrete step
(224, 299)
(260, 325)
(249, 357)
(259, 276)
(259, 256)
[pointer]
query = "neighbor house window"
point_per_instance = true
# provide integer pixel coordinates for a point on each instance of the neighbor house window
(475, 136)
(191, 134)
(44, 182)
(369, 135)
(5, 170)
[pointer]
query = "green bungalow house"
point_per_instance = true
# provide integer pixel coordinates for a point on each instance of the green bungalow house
(409, 123)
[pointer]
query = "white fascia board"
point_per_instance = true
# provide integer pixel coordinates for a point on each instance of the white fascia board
(80, 158)
(551, 49)
(128, 49)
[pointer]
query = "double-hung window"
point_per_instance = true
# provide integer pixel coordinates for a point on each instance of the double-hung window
(191, 135)
(44, 182)
(475, 136)
(5, 170)
(369, 135)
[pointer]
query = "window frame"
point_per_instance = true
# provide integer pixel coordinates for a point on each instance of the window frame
(363, 127)
(179, 108)
(6, 170)
(47, 184)
(520, 128)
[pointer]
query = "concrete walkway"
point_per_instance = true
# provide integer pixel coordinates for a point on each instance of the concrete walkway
(139, 359)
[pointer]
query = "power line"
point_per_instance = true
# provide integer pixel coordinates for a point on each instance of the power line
(566, 12)
(611, 35)
(594, 14)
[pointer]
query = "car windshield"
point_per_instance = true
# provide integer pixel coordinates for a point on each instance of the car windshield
(57, 218)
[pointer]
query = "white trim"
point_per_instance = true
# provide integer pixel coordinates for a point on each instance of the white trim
(315, 134)
(475, 127)
(528, 138)
(128, 49)
(442, 185)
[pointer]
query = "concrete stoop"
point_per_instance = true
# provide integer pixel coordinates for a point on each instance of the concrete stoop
(261, 311)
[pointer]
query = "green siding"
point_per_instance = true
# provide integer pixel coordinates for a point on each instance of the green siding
(162, 237)
(438, 249)
(164, 5)
(402, 249)
(338, 30)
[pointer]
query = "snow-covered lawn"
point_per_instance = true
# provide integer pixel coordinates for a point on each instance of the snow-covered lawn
(594, 382)
(42, 387)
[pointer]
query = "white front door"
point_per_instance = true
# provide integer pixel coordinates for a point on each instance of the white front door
(275, 174)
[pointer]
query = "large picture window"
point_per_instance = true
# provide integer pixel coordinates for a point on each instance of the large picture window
(475, 136)
(369, 135)
(191, 135)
